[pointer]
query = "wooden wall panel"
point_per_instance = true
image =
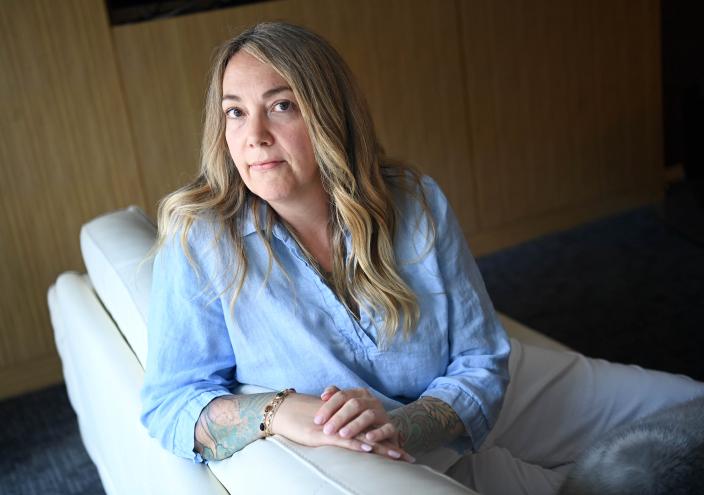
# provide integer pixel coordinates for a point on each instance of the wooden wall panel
(533, 115)
(564, 111)
(65, 154)
(629, 93)
(405, 54)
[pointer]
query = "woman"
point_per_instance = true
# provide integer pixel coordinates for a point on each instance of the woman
(301, 257)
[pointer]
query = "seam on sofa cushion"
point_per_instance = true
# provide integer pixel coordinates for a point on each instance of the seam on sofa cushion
(146, 221)
(127, 284)
(449, 479)
(283, 444)
(289, 447)
(108, 267)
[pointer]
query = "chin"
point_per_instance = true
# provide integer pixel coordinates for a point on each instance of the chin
(273, 196)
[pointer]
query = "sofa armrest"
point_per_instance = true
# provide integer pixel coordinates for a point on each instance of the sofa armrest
(103, 378)
(282, 466)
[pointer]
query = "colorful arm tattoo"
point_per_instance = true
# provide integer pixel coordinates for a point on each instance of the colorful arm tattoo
(426, 424)
(228, 424)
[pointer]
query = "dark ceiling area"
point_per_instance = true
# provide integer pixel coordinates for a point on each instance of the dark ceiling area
(133, 11)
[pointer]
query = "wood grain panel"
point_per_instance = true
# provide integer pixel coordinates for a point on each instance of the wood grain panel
(533, 115)
(512, 233)
(30, 375)
(65, 152)
(630, 95)
(563, 105)
(405, 54)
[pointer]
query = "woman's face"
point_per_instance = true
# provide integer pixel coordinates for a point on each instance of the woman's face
(266, 134)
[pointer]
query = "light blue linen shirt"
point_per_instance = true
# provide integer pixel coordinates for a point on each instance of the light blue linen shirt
(293, 331)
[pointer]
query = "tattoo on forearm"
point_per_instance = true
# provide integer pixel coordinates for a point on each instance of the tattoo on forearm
(228, 424)
(426, 424)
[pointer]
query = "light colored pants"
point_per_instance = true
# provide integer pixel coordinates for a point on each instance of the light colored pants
(556, 405)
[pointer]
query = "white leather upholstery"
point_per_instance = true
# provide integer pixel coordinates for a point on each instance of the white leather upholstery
(103, 366)
(115, 250)
(328, 470)
(103, 378)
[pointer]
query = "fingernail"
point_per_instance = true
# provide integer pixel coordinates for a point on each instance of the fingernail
(394, 454)
(366, 448)
(327, 429)
(318, 420)
(345, 432)
(369, 436)
(411, 459)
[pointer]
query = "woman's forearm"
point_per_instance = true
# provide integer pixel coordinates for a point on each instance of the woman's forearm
(229, 423)
(426, 424)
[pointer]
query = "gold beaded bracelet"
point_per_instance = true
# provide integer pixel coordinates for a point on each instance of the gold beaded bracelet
(271, 409)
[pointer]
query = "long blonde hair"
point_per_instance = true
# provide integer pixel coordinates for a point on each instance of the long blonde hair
(352, 166)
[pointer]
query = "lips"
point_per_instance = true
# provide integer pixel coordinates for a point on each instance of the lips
(265, 164)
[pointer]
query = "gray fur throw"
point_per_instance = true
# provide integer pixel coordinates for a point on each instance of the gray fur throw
(657, 455)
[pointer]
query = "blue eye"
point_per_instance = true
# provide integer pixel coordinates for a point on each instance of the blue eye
(233, 113)
(282, 106)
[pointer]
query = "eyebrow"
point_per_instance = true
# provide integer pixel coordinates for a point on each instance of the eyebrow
(267, 94)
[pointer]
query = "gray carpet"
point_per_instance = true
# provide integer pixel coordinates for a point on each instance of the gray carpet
(41, 452)
(628, 288)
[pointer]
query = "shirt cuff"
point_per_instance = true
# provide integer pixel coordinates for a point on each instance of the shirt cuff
(184, 435)
(468, 410)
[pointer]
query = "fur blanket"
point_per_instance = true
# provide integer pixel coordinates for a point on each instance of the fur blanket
(659, 454)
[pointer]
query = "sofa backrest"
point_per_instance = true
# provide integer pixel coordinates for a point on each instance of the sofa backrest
(116, 248)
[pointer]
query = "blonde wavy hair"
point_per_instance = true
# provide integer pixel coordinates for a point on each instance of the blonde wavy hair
(354, 171)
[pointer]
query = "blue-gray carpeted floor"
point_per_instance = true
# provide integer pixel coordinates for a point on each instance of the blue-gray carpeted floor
(41, 452)
(628, 288)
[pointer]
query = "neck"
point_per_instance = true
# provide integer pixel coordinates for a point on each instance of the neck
(309, 217)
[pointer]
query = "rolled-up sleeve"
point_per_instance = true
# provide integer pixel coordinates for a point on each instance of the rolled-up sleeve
(477, 374)
(190, 360)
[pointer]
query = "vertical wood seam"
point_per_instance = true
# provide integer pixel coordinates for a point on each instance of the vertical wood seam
(474, 217)
(128, 116)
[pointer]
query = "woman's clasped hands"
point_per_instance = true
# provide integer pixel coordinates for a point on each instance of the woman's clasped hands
(352, 418)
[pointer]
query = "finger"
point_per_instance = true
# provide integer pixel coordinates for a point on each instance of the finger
(329, 392)
(392, 451)
(366, 419)
(349, 411)
(388, 449)
(383, 432)
(356, 444)
(331, 406)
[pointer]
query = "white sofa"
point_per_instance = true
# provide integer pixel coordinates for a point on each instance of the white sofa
(99, 322)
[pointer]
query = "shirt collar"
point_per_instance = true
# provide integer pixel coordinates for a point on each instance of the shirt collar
(249, 226)
(279, 231)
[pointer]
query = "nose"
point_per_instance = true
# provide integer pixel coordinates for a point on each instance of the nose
(258, 133)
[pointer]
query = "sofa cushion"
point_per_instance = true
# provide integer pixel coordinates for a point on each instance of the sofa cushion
(116, 249)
